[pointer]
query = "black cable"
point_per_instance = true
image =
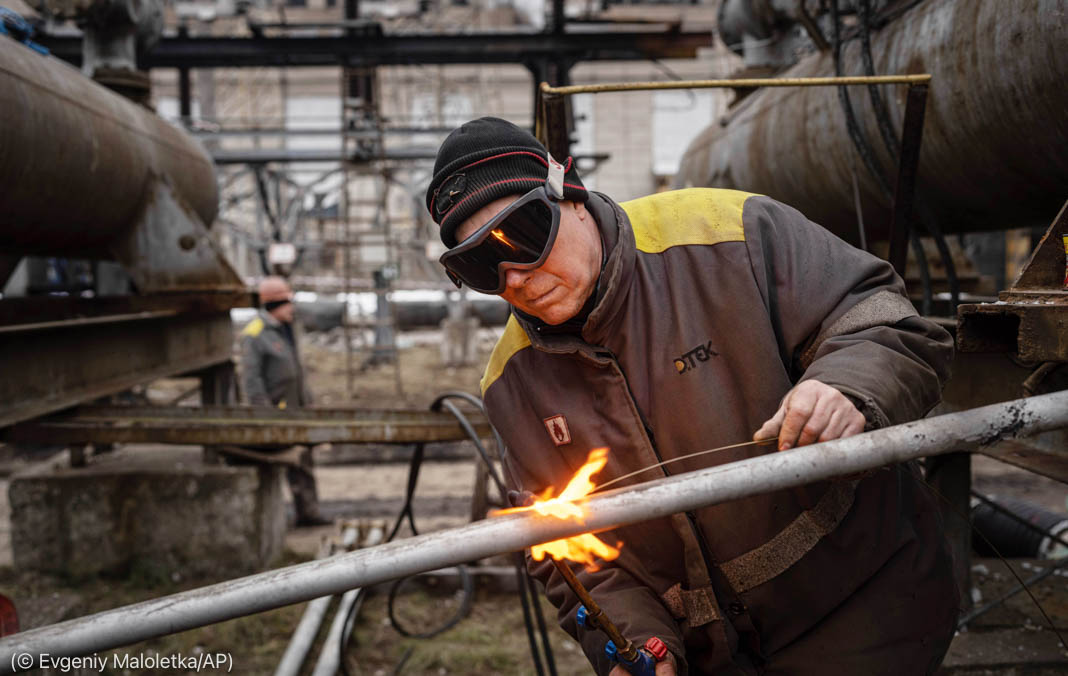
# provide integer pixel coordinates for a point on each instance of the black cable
(409, 493)
(864, 150)
(468, 589)
(540, 617)
(878, 105)
(893, 145)
(520, 564)
(925, 274)
(521, 587)
(470, 430)
(859, 142)
(466, 581)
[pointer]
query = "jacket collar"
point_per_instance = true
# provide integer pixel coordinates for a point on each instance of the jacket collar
(269, 320)
(618, 239)
(618, 270)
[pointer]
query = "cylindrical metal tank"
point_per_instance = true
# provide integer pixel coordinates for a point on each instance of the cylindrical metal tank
(996, 129)
(75, 159)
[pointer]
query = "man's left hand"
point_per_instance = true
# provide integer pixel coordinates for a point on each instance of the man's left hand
(812, 412)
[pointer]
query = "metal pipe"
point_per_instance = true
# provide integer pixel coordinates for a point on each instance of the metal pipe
(516, 531)
(76, 159)
(330, 654)
(304, 635)
(741, 83)
(992, 137)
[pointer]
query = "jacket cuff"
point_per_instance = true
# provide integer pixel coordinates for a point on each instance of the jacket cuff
(874, 418)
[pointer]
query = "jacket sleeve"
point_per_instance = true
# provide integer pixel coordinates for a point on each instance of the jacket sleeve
(841, 316)
(252, 382)
(633, 606)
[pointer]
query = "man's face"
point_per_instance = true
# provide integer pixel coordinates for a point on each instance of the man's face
(284, 312)
(557, 290)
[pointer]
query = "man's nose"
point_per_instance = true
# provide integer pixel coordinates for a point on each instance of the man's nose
(514, 279)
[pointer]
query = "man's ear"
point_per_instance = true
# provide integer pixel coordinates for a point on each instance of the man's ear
(579, 207)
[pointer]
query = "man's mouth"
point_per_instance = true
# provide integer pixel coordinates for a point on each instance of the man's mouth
(539, 299)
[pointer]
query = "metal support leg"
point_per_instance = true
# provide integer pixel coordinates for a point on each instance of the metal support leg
(905, 189)
(951, 476)
(216, 388)
(552, 116)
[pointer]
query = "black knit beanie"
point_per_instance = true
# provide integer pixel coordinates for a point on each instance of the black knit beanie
(484, 160)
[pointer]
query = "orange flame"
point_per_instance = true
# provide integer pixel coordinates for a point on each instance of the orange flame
(585, 548)
(503, 238)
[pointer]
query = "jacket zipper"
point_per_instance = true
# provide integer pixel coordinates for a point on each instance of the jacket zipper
(702, 543)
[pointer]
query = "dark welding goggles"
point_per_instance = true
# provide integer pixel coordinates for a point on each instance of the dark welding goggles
(519, 237)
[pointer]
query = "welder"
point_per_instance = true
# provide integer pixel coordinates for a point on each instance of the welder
(690, 320)
(272, 375)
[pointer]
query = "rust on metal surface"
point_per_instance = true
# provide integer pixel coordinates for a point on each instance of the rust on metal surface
(49, 309)
(994, 135)
(1030, 318)
(75, 171)
(1030, 457)
(905, 186)
(243, 426)
(53, 368)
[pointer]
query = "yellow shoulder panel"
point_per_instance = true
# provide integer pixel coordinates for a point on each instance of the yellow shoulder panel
(512, 340)
(253, 328)
(690, 216)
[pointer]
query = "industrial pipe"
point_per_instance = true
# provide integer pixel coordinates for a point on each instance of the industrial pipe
(308, 627)
(516, 531)
(303, 637)
(76, 159)
(992, 154)
(330, 654)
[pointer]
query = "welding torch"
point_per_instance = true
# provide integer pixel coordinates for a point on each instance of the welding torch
(638, 661)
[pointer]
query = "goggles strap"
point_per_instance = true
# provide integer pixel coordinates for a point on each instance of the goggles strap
(555, 180)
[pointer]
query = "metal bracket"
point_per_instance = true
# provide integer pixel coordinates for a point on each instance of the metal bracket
(1030, 318)
(169, 249)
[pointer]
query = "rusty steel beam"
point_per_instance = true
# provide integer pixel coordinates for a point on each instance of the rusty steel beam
(15, 312)
(242, 426)
(656, 42)
(1030, 319)
(63, 364)
(905, 187)
(1026, 456)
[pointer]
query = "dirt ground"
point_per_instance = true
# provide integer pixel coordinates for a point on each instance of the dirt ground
(491, 640)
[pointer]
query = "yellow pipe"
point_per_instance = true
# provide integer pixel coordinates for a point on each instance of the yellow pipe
(922, 78)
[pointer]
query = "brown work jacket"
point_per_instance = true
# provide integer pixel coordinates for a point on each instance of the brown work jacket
(711, 306)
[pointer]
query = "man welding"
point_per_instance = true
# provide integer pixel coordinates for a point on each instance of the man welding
(690, 320)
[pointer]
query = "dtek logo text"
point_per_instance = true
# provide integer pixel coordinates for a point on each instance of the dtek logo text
(694, 357)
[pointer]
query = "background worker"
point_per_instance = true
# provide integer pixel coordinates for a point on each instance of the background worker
(272, 375)
(690, 320)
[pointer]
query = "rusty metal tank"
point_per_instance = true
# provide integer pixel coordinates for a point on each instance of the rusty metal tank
(996, 130)
(76, 159)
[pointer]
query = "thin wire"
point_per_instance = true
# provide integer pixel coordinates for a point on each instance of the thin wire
(967, 519)
(683, 457)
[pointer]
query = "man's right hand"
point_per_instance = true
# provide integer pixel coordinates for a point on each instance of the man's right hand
(665, 668)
